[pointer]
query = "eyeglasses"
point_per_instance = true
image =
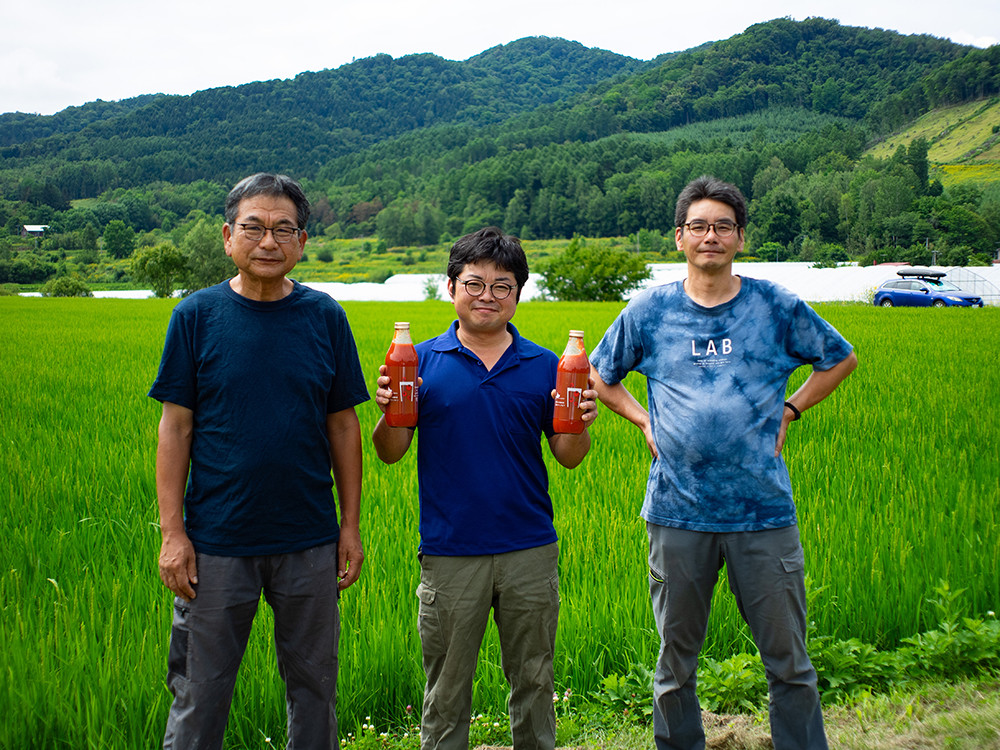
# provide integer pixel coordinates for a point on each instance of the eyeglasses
(722, 228)
(499, 290)
(282, 235)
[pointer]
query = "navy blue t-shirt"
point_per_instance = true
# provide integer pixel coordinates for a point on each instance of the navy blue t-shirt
(483, 483)
(261, 378)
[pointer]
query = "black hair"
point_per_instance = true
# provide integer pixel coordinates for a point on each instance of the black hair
(489, 245)
(711, 188)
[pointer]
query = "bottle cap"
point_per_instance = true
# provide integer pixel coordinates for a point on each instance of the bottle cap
(579, 334)
(402, 325)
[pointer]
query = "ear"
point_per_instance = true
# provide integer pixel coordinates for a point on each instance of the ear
(227, 238)
(678, 234)
(451, 288)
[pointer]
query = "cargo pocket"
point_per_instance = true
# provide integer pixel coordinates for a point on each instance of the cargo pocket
(428, 622)
(794, 562)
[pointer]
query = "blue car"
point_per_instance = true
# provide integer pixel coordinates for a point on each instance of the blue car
(923, 287)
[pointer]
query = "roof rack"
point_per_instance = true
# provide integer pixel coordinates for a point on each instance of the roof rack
(922, 271)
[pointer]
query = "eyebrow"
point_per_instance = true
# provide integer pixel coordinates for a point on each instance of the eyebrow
(498, 279)
(254, 219)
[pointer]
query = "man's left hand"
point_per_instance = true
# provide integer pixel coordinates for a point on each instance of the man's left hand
(350, 556)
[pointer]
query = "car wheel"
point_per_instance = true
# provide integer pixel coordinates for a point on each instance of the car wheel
(938, 303)
(886, 302)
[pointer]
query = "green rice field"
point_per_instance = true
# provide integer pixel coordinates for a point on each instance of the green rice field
(897, 480)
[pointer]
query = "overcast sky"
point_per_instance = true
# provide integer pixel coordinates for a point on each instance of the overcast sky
(60, 53)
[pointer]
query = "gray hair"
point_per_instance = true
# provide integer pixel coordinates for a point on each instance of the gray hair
(266, 183)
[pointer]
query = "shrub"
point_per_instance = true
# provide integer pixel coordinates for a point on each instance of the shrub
(596, 274)
(65, 286)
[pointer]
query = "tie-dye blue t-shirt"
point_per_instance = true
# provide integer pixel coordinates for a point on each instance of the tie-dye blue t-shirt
(716, 380)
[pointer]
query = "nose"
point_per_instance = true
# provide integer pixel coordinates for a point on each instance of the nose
(268, 238)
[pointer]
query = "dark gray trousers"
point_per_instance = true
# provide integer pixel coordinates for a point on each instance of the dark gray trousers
(766, 575)
(210, 634)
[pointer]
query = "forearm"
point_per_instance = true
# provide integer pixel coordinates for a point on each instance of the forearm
(344, 433)
(821, 383)
(391, 443)
(617, 398)
(173, 457)
(568, 449)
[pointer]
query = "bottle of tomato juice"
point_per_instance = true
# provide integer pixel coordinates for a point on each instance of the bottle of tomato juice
(401, 367)
(571, 381)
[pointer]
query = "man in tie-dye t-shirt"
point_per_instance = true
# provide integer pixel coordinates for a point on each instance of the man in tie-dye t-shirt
(717, 351)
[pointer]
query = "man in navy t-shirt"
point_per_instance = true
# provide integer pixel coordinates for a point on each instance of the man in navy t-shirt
(717, 351)
(259, 380)
(486, 534)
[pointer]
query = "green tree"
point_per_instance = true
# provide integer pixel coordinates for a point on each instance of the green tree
(119, 239)
(65, 286)
(163, 267)
(595, 273)
(207, 261)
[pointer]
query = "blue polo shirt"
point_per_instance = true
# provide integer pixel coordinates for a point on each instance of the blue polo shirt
(483, 483)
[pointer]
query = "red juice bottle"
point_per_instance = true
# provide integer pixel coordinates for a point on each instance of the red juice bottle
(401, 367)
(571, 381)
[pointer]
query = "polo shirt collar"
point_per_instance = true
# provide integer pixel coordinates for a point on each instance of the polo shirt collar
(522, 348)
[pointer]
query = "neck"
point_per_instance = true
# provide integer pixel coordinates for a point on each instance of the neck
(270, 290)
(488, 346)
(711, 289)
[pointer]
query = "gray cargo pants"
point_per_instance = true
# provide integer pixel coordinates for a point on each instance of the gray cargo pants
(766, 575)
(210, 634)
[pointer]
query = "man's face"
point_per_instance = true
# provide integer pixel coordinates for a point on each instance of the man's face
(265, 259)
(711, 252)
(484, 314)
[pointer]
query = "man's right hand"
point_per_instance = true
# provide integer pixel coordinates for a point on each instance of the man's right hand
(178, 570)
(384, 393)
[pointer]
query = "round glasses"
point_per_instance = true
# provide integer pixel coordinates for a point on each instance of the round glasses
(282, 235)
(722, 228)
(475, 287)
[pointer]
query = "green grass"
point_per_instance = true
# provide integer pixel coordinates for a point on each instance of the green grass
(896, 480)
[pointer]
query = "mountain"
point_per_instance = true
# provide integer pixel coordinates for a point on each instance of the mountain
(297, 125)
(546, 138)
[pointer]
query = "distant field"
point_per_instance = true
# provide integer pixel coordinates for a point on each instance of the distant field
(897, 479)
(963, 144)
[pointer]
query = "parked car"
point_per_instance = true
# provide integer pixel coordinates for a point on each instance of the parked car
(923, 287)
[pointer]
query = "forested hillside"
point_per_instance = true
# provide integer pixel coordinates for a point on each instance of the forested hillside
(291, 125)
(541, 136)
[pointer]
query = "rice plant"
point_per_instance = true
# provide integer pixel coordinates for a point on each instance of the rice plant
(896, 481)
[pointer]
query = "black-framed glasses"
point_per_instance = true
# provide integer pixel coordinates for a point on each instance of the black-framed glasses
(722, 228)
(499, 290)
(282, 235)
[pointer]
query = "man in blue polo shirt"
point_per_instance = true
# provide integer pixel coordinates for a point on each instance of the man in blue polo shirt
(486, 534)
